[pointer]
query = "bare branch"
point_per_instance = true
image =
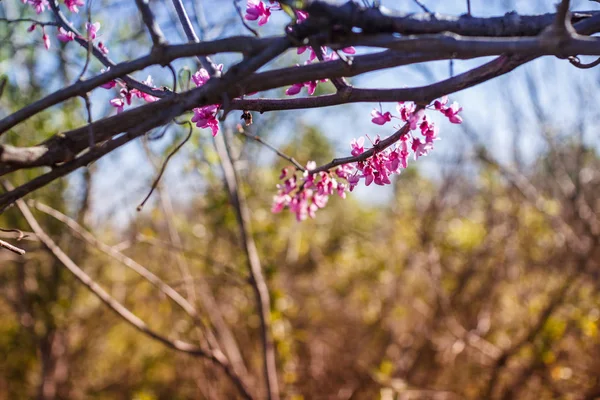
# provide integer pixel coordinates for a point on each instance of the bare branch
(373, 20)
(215, 356)
(423, 6)
(14, 249)
(258, 139)
(445, 46)
(239, 12)
(257, 280)
(576, 62)
(158, 38)
(164, 166)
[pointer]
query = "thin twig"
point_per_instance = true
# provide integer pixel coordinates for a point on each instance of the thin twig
(88, 107)
(382, 145)
(164, 166)
(274, 149)
(339, 83)
(158, 38)
(19, 232)
(243, 20)
(90, 43)
(423, 7)
(28, 20)
(14, 249)
(576, 62)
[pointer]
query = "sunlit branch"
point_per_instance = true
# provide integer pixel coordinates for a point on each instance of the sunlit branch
(125, 314)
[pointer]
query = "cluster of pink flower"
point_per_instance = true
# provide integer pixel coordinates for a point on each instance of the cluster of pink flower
(257, 10)
(206, 116)
(126, 94)
(40, 5)
(64, 35)
(305, 195)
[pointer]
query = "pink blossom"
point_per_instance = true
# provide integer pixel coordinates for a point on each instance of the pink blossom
(301, 15)
(92, 29)
(46, 41)
(357, 146)
(256, 9)
(65, 36)
(200, 77)
(403, 153)
(311, 87)
(452, 113)
(118, 103)
(280, 201)
(420, 148)
(294, 89)
(379, 118)
(308, 193)
(73, 5)
(205, 117)
(313, 54)
(39, 5)
(344, 171)
(147, 97)
(127, 95)
(440, 104)
(108, 85)
(102, 48)
(405, 110)
(349, 50)
(290, 185)
(353, 181)
(414, 118)
(31, 28)
(341, 190)
(305, 195)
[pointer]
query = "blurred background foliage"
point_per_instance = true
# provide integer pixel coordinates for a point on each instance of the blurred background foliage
(468, 285)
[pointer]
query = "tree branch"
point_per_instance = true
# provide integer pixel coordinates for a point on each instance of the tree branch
(158, 38)
(259, 285)
(215, 356)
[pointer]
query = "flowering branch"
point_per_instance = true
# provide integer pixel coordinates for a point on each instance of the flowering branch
(215, 93)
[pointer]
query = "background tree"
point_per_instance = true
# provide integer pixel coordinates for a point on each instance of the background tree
(479, 284)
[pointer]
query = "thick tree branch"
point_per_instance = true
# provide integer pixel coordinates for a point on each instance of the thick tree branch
(373, 20)
(240, 80)
(428, 48)
(240, 44)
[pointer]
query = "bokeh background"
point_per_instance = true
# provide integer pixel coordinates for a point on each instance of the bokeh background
(475, 275)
